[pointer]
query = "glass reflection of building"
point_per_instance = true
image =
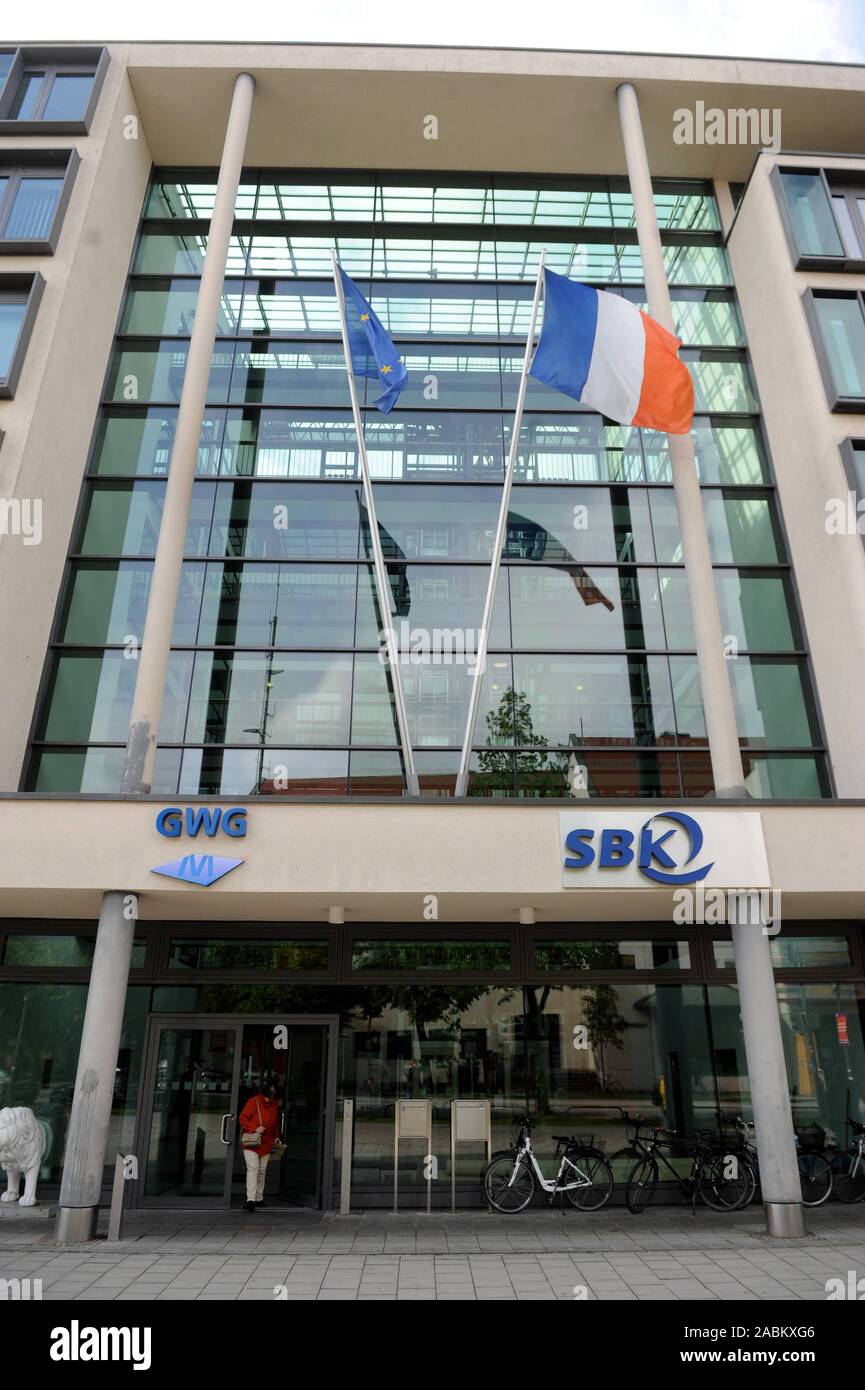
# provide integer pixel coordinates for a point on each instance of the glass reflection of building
(275, 683)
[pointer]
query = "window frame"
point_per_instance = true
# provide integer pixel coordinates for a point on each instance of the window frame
(28, 165)
(26, 289)
(810, 260)
(838, 404)
(52, 61)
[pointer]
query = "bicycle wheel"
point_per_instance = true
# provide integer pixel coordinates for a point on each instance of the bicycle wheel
(848, 1177)
(505, 1195)
(642, 1181)
(600, 1176)
(725, 1186)
(816, 1177)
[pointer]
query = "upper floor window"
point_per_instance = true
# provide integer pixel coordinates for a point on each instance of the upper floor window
(49, 88)
(32, 197)
(824, 217)
(838, 329)
(19, 298)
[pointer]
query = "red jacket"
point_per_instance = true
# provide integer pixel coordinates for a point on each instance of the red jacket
(258, 1110)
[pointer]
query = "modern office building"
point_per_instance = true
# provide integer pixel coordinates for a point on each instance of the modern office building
(368, 944)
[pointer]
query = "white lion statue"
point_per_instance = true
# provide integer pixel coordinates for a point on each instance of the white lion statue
(22, 1144)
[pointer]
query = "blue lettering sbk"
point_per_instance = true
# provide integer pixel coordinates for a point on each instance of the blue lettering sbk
(581, 850)
(616, 849)
(653, 849)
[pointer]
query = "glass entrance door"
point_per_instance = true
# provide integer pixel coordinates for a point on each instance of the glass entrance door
(294, 1057)
(198, 1078)
(191, 1125)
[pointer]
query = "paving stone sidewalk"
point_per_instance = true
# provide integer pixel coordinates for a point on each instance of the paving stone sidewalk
(664, 1254)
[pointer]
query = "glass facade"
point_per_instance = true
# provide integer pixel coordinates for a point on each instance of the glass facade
(276, 686)
(567, 1024)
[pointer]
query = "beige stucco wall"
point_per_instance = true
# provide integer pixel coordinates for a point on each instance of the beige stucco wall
(381, 862)
(49, 424)
(804, 438)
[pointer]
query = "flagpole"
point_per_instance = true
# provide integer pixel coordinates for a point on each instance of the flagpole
(382, 584)
(498, 543)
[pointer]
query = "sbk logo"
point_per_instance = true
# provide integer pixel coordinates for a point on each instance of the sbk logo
(617, 849)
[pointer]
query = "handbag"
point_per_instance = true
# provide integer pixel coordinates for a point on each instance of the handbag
(249, 1139)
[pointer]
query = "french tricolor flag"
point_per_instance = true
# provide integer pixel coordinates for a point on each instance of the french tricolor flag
(609, 355)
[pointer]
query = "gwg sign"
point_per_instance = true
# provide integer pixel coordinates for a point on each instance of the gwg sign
(171, 821)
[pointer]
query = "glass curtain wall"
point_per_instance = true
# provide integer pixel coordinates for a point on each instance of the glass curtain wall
(276, 686)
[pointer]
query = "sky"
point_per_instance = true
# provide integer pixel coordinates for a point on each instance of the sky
(833, 30)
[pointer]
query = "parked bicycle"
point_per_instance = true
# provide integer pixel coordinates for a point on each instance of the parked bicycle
(815, 1171)
(848, 1167)
(513, 1175)
(719, 1185)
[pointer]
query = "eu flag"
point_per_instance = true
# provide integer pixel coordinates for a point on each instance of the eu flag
(372, 352)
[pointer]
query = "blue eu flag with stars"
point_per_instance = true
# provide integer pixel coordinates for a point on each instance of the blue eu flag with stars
(372, 352)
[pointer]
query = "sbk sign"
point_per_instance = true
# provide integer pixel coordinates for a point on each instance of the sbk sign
(649, 849)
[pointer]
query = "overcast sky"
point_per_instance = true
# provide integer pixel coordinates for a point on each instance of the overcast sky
(806, 29)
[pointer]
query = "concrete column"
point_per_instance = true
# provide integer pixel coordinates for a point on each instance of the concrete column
(87, 1137)
(165, 581)
(761, 1024)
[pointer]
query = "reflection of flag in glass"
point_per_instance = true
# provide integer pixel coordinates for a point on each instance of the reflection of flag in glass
(372, 351)
(531, 541)
(588, 589)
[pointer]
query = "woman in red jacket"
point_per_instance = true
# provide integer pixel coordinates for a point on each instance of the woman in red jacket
(259, 1116)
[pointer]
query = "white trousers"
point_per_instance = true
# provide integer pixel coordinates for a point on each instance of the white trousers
(256, 1170)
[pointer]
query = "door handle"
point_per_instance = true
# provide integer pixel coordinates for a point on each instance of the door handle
(222, 1128)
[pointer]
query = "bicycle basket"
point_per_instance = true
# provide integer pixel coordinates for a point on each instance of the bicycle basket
(812, 1140)
(586, 1142)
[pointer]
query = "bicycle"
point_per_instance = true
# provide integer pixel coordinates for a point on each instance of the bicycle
(815, 1172)
(848, 1168)
(708, 1178)
(584, 1176)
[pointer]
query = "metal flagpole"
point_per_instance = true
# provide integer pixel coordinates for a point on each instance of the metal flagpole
(381, 580)
(498, 543)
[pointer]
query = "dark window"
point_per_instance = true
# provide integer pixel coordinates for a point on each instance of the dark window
(430, 955)
(247, 955)
(612, 955)
(73, 952)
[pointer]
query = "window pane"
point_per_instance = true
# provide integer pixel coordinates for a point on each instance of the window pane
(289, 698)
(437, 611)
(32, 212)
(651, 954)
(793, 952)
(68, 98)
(271, 520)
(76, 952)
(78, 770)
(755, 610)
(843, 331)
(844, 219)
(106, 604)
(573, 524)
(570, 700)
(809, 207)
(11, 318)
(768, 696)
(122, 519)
(194, 954)
(292, 605)
(786, 778)
(438, 955)
(569, 606)
(741, 530)
(27, 96)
